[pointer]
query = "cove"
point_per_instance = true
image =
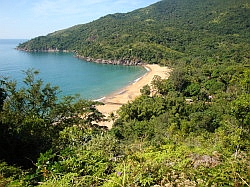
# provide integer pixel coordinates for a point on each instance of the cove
(72, 75)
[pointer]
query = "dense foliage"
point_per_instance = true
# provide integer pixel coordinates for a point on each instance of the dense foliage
(32, 119)
(166, 32)
(190, 130)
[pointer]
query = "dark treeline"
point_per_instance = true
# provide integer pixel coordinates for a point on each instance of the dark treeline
(190, 130)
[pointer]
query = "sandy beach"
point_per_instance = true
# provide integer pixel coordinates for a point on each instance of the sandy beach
(114, 101)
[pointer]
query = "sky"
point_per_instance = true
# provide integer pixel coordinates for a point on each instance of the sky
(26, 19)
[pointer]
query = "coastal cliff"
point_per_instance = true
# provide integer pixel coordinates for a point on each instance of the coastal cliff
(126, 62)
(49, 50)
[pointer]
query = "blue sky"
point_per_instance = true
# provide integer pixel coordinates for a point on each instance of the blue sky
(26, 19)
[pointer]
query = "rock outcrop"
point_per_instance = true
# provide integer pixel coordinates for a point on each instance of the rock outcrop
(125, 62)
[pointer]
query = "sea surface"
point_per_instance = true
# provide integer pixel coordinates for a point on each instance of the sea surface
(72, 75)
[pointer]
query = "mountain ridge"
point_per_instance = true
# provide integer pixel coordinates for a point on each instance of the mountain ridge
(164, 32)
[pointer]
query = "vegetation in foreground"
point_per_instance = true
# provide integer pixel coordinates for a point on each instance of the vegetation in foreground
(193, 131)
(162, 139)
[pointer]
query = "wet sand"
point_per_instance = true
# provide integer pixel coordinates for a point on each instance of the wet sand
(114, 101)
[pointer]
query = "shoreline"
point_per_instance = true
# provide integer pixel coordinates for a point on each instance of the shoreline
(125, 62)
(123, 89)
(114, 101)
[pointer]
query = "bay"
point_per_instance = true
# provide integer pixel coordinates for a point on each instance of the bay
(72, 75)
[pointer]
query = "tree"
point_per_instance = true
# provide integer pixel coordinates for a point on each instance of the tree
(143, 108)
(145, 90)
(161, 86)
(32, 118)
(179, 79)
(193, 89)
(3, 94)
(26, 123)
(240, 108)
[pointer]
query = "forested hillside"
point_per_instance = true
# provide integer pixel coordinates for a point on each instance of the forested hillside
(191, 130)
(165, 32)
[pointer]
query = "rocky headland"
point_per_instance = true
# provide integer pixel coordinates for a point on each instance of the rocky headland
(125, 62)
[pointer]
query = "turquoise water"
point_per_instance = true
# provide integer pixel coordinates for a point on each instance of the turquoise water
(72, 75)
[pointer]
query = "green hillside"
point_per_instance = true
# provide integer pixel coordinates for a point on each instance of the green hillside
(189, 130)
(164, 32)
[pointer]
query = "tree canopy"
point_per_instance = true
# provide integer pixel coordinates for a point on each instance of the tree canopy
(189, 130)
(166, 32)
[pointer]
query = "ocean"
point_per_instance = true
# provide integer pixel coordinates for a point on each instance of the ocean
(72, 75)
